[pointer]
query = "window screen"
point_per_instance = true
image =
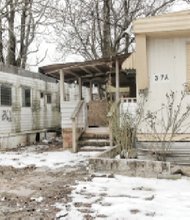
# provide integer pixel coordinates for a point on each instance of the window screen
(49, 98)
(26, 97)
(6, 95)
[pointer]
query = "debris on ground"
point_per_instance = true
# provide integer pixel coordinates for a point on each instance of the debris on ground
(45, 181)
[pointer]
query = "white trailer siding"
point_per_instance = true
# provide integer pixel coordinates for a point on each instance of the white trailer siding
(16, 120)
(67, 109)
(167, 71)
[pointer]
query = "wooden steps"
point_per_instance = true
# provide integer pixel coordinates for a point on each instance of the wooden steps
(94, 139)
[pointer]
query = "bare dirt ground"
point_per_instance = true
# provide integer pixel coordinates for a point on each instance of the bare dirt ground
(31, 193)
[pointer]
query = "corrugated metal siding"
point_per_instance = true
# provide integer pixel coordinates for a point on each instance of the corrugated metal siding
(6, 119)
(178, 153)
(81, 123)
(39, 115)
(26, 119)
(67, 109)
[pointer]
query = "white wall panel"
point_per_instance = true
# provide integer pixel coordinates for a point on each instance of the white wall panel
(39, 116)
(167, 71)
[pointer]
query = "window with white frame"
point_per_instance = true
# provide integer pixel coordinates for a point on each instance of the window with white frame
(26, 97)
(5, 95)
(48, 98)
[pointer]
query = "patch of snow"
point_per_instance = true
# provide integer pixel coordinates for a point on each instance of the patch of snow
(97, 140)
(134, 198)
(45, 141)
(63, 214)
(46, 159)
(39, 199)
(91, 148)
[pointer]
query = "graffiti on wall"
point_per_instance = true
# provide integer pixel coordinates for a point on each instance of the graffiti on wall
(6, 115)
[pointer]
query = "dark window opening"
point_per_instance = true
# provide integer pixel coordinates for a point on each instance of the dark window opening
(41, 95)
(26, 97)
(37, 137)
(48, 98)
(6, 95)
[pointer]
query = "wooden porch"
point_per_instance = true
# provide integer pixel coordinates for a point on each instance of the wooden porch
(77, 115)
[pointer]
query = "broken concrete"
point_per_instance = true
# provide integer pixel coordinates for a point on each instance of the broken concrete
(106, 162)
(129, 167)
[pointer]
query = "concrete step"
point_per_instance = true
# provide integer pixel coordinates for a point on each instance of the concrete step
(95, 136)
(94, 142)
(96, 133)
(94, 139)
(93, 148)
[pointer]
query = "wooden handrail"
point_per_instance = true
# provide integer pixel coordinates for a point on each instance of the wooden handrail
(77, 110)
(74, 119)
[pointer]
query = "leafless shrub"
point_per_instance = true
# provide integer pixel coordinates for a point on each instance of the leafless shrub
(171, 119)
(124, 128)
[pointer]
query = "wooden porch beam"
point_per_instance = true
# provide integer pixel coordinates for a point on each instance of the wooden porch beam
(72, 73)
(117, 80)
(90, 90)
(80, 88)
(85, 70)
(95, 75)
(62, 86)
(97, 69)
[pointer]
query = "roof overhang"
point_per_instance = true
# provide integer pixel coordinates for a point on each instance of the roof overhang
(87, 70)
(171, 24)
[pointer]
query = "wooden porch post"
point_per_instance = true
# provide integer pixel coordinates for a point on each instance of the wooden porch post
(62, 86)
(117, 80)
(80, 88)
(99, 92)
(90, 91)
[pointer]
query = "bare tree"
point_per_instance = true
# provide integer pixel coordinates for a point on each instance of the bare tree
(97, 28)
(20, 22)
(1, 42)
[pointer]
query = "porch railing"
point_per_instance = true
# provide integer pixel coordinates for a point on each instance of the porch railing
(128, 105)
(115, 108)
(79, 123)
(122, 106)
(129, 100)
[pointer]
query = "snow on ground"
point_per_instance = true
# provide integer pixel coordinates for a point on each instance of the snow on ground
(44, 159)
(119, 198)
(130, 198)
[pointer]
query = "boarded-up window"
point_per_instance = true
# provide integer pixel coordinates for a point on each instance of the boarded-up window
(49, 98)
(6, 95)
(26, 97)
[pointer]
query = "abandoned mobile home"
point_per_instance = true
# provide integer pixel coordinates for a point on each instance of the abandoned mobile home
(162, 61)
(89, 117)
(163, 58)
(29, 106)
(163, 78)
